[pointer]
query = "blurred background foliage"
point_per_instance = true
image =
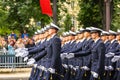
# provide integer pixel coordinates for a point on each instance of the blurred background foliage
(19, 15)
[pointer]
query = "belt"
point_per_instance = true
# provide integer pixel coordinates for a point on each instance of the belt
(46, 59)
(118, 69)
(65, 66)
(42, 68)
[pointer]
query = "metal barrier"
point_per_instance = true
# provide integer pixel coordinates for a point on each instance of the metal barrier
(10, 61)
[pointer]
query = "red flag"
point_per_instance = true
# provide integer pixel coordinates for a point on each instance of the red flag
(46, 7)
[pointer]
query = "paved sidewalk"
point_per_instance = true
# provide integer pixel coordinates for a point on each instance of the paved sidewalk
(17, 74)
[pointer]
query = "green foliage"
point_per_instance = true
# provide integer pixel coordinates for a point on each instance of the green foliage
(68, 23)
(90, 13)
(19, 13)
(116, 15)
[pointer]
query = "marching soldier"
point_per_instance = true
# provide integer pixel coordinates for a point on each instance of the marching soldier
(64, 48)
(51, 62)
(117, 71)
(110, 66)
(88, 54)
(116, 59)
(86, 59)
(97, 55)
(75, 63)
(105, 39)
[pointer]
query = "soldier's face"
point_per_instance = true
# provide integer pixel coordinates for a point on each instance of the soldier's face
(40, 36)
(50, 31)
(71, 37)
(76, 37)
(36, 37)
(80, 36)
(46, 34)
(118, 37)
(111, 37)
(67, 38)
(93, 35)
(103, 38)
(86, 34)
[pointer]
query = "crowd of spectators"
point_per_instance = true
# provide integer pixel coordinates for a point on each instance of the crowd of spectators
(12, 41)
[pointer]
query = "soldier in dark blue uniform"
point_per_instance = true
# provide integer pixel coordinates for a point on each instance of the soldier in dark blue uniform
(117, 73)
(87, 59)
(68, 46)
(116, 59)
(75, 63)
(97, 52)
(54, 64)
(110, 66)
(65, 48)
(35, 70)
(105, 39)
(50, 58)
(37, 57)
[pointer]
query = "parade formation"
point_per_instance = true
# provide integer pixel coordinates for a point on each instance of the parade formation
(86, 54)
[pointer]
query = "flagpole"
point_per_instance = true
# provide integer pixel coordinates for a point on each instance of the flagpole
(55, 11)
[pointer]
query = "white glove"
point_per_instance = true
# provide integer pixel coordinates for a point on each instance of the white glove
(63, 55)
(110, 54)
(70, 55)
(71, 66)
(110, 68)
(77, 67)
(95, 75)
(74, 68)
(26, 49)
(43, 68)
(18, 54)
(86, 68)
(35, 65)
(18, 50)
(26, 58)
(65, 66)
(106, 68)
(31, 61)
(115, 58)
(51, 70)
(25, 53)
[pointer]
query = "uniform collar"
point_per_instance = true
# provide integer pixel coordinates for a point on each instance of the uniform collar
(43, 40)
(112, 40)
(88, 38)
(53, 35)
(82, 40)
(68, 42)
(37, 41)
(96, 40)
(48, 39)
(105, 41)
(72, 41)
(77, 41)
(119, 42)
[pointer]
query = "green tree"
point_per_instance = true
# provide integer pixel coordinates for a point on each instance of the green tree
(20, 13)
(91, 13)
(116, 15)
